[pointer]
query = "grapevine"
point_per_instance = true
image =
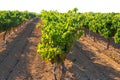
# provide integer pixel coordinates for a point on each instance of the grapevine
(59, 33)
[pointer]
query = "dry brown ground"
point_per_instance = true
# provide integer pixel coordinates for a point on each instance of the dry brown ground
(19, 61)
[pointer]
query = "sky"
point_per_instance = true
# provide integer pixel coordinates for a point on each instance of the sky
(61, 5)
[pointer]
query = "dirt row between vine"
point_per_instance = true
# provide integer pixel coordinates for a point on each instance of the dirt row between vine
(19, 61)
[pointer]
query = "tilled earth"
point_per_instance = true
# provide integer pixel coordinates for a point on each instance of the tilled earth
(19, 60)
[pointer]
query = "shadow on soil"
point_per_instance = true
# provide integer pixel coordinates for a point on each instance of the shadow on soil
(104, 40)
(84, 67)
(15, 59)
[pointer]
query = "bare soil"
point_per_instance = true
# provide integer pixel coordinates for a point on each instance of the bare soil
(19, 60)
